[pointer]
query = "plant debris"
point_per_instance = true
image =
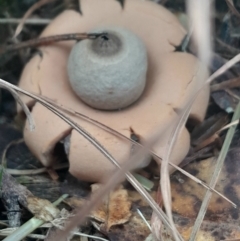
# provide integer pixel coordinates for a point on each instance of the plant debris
(14, 193)
(115, 209)
(118, 217)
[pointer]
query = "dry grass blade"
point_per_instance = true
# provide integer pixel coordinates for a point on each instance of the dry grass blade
(33, 8)
(231, 93)
(228, 84)
(232, 8)
(223, 69)
(114, 132)
(96, 200)
(35, 171)
(144, 219)
(22, 104)
(185, 113)
(3, 159)
(216, 174)
(199, 12)
(200, 18)
(236, 122)
(129, 176)
(112, 181)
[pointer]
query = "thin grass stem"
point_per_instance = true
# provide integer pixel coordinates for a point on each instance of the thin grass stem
(216, 174)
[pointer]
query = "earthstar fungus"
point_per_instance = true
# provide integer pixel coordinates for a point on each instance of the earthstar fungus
(168, 84)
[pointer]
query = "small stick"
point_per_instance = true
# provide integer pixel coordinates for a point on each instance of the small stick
(50, 40)
(228, 84)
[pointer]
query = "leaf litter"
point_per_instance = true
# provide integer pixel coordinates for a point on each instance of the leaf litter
(226, 224)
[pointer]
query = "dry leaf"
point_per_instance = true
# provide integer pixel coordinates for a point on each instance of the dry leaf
(115, 209)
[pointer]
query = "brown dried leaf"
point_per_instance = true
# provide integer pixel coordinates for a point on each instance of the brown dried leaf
(136, 229)
(115, 209)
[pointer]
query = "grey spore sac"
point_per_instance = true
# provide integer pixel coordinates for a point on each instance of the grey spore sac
(109, 72)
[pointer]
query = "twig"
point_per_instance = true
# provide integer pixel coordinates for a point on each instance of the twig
(33, 8)
(228, 84)
(49, 40)
(36, 171)
(232, 8)
(3, 158)
(233, 94)
(216, 174)
(225, 48)
(22, 104)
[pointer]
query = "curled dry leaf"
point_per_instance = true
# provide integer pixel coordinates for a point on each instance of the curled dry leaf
(114, 210)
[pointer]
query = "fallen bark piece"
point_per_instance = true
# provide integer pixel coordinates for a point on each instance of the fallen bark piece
(14, 193)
